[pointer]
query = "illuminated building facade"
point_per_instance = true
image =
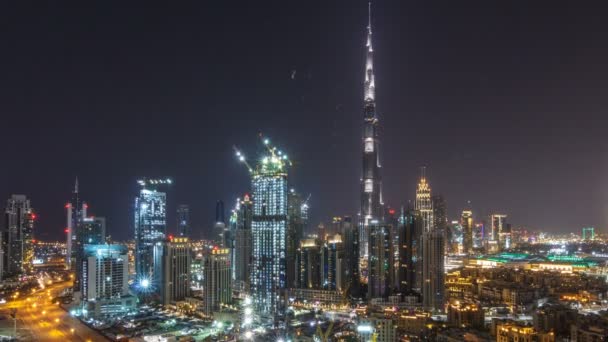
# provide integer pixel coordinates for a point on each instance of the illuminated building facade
(18, 245)
(183, 220)
(90, 231)
(512, 331)
(217, 279)
(172, 267)
(308, 261)
(465, 314)
(410, 266)
(380, 264)
(243, 248)
(424, 203)
(332, 264)
(269, 231)
(588, 233)
(150, 224)
(466, 222)
(371, 181)
(75, 211)
(105, 276)
(500, 231)
(350, 238)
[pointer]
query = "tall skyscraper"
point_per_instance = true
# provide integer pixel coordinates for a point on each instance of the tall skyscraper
(410, 254)
(433, 270)
(19, 225)
(440, 216)
(219, 226)
(380, 265)
(105, 287)
(295, 231)
(172, 267)
(76, 211)
(424, 203)
(466, 221)
(269, 230)
(499, 231)
(218, 280)
(90, 231)
(242, 241)
(183, 220)
(308, 261)
(150, 224)
(350, 238)
(371, 181)
(332, 264)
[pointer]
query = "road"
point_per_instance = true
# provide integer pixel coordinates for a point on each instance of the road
(38, 319)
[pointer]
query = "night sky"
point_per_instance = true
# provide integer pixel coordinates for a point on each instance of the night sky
(504, 102)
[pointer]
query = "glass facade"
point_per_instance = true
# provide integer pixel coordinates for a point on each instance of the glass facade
(150, 227)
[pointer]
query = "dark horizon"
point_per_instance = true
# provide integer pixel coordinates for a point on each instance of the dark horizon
(503, 103)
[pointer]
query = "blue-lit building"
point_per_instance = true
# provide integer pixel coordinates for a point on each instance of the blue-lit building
(150, 224)
(105, 287)
(269, 230)
(90, 231)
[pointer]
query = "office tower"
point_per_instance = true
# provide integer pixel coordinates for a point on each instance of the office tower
(269, 231)
(410, 254)
(433, 270)
(380, 262)
(90, 231)
(498, 230)
(588, 233)
(424, 206)
(332, 264)
(183, 220)
(295, 232)
(391, 219)
(219, 226)
(440, 216)
(105, 287)
(242, 241)
(150, 224)
(76, 210)
(350, 236)
(217, 278)
(308, 261)
(466, 222)
(172, 267)
(19, 225)
(371, 181)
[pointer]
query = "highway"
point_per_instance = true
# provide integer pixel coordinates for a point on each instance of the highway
(38, 319)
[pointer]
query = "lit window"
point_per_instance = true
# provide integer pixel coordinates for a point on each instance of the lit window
(369, 145)
(369, 185)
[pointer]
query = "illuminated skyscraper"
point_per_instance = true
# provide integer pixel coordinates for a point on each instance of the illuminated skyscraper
(218, 281)
(410, 251)
(76, 211)
(371, 181)
(90, 231)
(295, 231)
(150, 224)
(350, 238)
(269, 230)
(183, 220)
(466, 221)
(424, 204)
(500, 232)
(242, 241)
(380, 264)
(308, 262)
(332, 264)
(172, 269)
(19, 220)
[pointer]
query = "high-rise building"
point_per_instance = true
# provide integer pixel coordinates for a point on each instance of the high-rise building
(380, 262)
(183, 220)
(308, 261)
(433, 270)
(440, 215)
(295, 232)
(269, 230)
(76, 210)
(410, 250)
(217, 278)
(242, 241)
(371, 181)
(172, 267)
(332, 264)
(424, 203)
(466, 222)
(219, 226)
(150, 224)
(90, 231)
(588, 233)
(350, 238)
(105, 287)
(499, 230)
(19, 225)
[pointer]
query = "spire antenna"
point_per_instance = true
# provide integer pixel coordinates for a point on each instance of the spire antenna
(76, 185)
(369, 15)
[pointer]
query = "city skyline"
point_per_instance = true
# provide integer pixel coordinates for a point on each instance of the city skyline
(500, 133)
